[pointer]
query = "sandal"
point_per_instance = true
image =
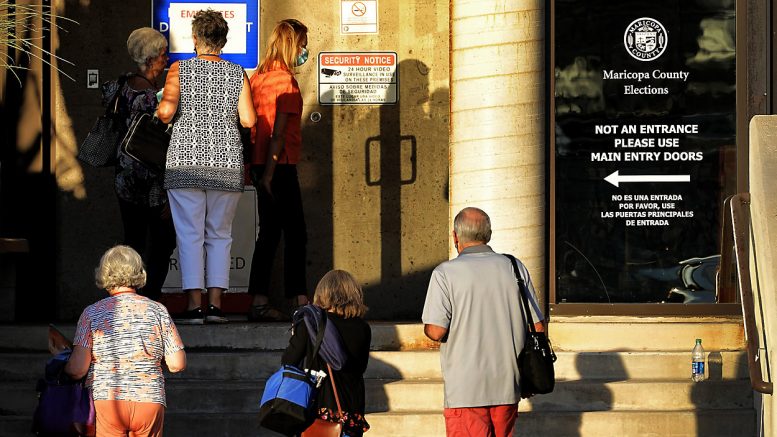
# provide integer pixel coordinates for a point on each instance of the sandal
(266, 313)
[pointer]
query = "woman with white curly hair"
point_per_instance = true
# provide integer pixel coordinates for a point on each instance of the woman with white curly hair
(120, 344)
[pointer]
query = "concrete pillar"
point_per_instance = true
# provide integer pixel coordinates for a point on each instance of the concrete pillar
(497, 122)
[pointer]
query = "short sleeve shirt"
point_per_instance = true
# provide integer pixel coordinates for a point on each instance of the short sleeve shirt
(476, 297)
(276, 91)
(128, 335)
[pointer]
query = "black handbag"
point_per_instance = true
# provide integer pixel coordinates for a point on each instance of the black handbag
(535, 361)
(147, 141)
(101, 146)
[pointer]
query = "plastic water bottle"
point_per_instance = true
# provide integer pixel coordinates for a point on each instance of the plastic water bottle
(697, 362)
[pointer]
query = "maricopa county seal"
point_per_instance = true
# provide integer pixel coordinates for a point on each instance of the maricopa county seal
(645, 39)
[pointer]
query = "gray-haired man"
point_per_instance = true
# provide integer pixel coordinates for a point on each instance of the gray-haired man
(473, 306)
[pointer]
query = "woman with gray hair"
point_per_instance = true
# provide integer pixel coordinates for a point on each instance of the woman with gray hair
(120, 344)
(148, 227)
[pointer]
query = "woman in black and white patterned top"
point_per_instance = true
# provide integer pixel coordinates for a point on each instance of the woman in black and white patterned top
(208, 97)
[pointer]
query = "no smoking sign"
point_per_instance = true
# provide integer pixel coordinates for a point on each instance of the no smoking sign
(358, 17)
(359, 9)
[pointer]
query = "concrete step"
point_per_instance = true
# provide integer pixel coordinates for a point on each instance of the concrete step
(599, 334)
(426, 364)
(617, 333)
(732, 423)
(15, 426)
(244, 365)
(596, 424)
(198, 396)
(233, 336)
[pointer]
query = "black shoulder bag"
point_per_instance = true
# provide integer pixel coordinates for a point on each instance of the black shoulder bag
(147, 141)
(101, 146)
(535, 362)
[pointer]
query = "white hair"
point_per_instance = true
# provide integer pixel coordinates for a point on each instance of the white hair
(145, 43)
(472, 224)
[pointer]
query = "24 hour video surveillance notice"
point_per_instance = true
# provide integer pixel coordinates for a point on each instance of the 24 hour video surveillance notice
(357, 78)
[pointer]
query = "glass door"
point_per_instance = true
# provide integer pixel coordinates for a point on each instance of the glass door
(643, 146)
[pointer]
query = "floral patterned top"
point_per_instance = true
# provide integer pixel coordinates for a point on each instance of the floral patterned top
(134, 182)
(128, 335)
(353, 423)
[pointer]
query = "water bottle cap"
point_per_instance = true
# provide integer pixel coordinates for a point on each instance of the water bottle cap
(698, 341)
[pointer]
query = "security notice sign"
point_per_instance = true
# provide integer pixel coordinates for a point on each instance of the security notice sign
(357, 17)
(357, 78)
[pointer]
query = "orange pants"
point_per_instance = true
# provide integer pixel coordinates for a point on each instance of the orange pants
(491, 421)
(126, 418)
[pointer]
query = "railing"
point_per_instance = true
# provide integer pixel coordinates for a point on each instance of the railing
(736, 233)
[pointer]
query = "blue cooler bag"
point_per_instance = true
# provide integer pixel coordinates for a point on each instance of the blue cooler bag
(288, 400)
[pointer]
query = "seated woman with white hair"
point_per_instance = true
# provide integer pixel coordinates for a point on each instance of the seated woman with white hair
(121, 342)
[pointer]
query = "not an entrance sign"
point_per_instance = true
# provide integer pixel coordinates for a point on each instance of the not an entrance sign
(357, 78)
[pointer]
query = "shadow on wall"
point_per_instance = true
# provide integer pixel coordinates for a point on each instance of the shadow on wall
(730, 414)
(403, 376)
(42, 179)
(412, 148)
(405, 167)
(560, 413)
(27, 198)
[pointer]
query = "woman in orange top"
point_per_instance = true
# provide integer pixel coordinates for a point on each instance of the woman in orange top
(277, 144)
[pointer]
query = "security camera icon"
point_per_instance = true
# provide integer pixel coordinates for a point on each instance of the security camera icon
(329, 72)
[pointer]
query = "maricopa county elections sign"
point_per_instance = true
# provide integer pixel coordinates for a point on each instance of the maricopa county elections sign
(645, 147)
(354, 78)
(174, 20)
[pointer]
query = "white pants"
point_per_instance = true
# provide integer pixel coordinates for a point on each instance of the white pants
(203, 230)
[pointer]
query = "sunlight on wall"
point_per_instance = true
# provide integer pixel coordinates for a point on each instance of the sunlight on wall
(67, 169)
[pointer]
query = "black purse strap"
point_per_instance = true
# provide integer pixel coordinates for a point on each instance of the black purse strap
(523, 290)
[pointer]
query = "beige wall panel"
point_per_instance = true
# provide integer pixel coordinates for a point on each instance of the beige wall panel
(365, 212)
(482, 30)
(497, 122)
(497, 112)
(473, 158)
(502, 91)
(503, 59)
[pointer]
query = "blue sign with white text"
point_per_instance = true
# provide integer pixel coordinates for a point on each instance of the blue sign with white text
(174, 20)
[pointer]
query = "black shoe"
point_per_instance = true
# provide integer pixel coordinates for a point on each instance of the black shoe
(189, 317)
(214, 315)
(266, 313)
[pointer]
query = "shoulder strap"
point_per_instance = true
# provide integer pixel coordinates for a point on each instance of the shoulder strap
(113, 107)
(334, 389)
(316, 344)
(144, 78)
(524, 294)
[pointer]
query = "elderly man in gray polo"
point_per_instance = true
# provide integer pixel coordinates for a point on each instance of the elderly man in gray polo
(473, 306)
